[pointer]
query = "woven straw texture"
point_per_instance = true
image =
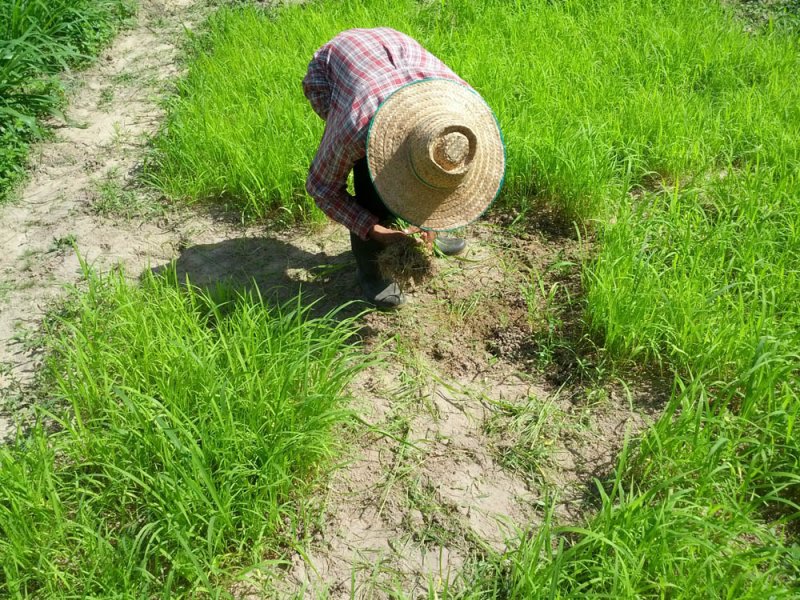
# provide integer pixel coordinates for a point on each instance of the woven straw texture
(435, 154)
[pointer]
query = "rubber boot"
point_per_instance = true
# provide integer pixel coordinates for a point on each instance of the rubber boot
(383, 293)
(450, 246)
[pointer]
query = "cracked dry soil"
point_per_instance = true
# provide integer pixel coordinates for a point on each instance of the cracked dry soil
(466, 432)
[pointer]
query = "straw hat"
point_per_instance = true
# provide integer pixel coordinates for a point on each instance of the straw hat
(435, 154)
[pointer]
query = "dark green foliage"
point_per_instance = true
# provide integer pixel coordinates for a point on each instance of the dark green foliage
(766, 14)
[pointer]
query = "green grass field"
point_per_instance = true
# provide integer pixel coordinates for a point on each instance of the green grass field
(675, 137)
(188, 430)
(38, 40)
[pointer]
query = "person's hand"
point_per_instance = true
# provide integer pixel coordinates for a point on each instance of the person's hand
(426, 237)
(386, 235)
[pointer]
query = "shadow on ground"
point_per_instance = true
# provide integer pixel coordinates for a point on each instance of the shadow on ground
(279, 270)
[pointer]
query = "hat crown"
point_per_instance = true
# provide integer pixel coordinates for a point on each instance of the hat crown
(450, 150)
(441, 154)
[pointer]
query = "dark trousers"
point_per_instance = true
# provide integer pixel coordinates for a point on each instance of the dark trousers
(366, 251)
(366, 195)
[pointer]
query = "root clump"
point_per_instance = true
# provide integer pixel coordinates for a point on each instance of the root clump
(407, 262)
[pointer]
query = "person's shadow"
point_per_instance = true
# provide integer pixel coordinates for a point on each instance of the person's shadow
(277, 270)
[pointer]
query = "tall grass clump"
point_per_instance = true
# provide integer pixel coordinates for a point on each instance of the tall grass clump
(700, 275)
(38, 39)
(697, 273)
(188, 434)
(240, 130)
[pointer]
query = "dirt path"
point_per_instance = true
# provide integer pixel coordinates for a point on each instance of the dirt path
(474, 418)
(81, 189)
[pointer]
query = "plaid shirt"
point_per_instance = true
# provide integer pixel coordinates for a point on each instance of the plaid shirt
(347, 80)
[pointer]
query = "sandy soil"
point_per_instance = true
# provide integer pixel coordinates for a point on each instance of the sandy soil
(467, 427)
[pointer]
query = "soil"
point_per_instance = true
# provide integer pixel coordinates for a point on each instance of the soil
(492, 398)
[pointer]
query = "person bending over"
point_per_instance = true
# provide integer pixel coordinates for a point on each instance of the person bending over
(423, 146)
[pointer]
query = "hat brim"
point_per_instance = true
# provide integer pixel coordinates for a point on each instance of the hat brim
(399, 187)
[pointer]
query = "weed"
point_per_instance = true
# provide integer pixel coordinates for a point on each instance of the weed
(113, 198)
(6, 287)
(409, 263)
(106, 98)
(325, 273)
(28, 339)
(439, 525)
(125, 77)
(526, 432)
(463, 308)
(63, 243)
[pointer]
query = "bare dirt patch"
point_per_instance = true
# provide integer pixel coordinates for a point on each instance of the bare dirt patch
(471, 429)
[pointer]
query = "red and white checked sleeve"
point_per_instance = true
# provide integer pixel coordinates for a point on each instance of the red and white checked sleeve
(327, 185)
(316, 86)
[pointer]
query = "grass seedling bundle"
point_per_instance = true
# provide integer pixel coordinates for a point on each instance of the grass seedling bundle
(188, 433)
(409, 262)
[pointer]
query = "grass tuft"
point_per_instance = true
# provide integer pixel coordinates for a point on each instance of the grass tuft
(189, 434)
